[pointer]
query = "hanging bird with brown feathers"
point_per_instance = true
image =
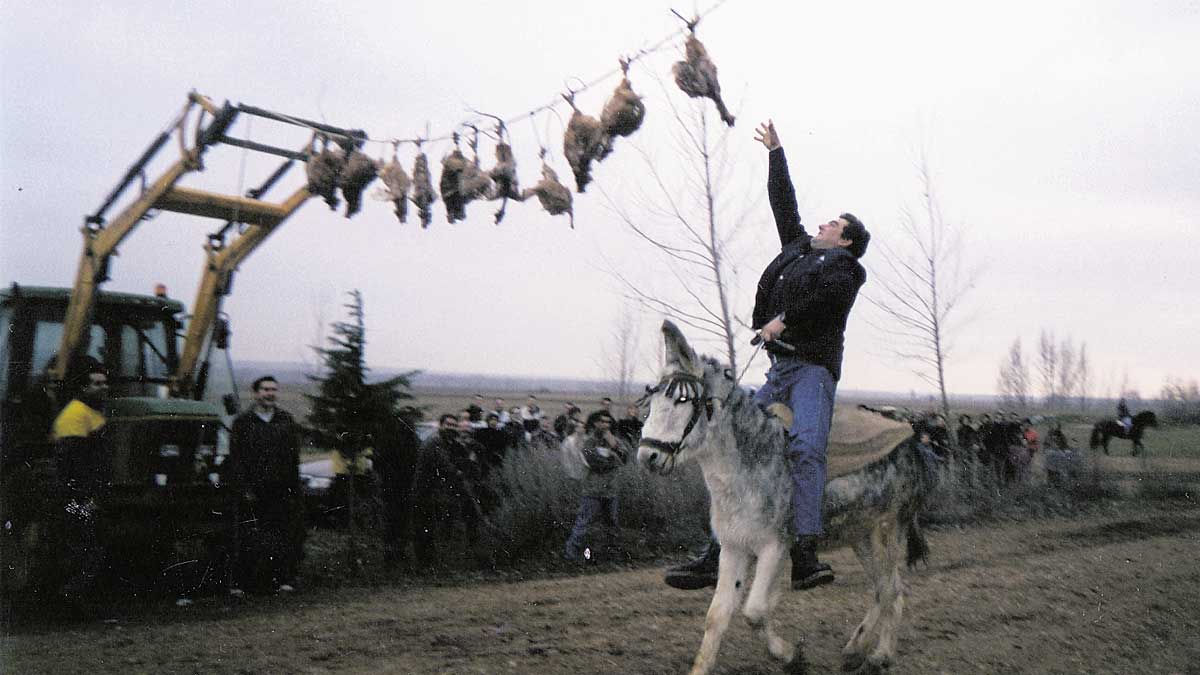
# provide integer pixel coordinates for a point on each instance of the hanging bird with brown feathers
(451, 185)
(357, 174)
(623, 113)
(324, 172)
(697, 76)
(555, 197)
(423, 195)
(474, 183)
(583, 142)
(397, 183)
(504, 178)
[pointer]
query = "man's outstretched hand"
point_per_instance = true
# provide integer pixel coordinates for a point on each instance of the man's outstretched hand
(766, 135)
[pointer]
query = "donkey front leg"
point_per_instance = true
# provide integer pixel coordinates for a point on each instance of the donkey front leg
(854, 654)
(731, 581)
(765, 590)
(891, 600)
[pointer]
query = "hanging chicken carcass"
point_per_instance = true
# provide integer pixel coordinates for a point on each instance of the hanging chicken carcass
(397, 183)
(623, 113)
(583, 142)
(554, 196)
(324, 171)
(697, 76)
(423, 195)
(357, 174)
(504, 178)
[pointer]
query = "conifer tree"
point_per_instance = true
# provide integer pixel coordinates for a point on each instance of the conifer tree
(347, 413)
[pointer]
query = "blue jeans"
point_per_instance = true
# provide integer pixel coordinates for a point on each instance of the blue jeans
(590, 508)
(808, 390)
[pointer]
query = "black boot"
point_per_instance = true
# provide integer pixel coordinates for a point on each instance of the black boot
(807, 571)
(698, 573)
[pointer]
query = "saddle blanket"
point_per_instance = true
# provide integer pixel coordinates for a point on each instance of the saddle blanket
(857, 437)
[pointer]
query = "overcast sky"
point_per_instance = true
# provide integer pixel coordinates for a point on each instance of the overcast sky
(1063, 138)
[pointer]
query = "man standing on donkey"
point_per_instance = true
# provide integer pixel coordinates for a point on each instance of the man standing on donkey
(800, 310)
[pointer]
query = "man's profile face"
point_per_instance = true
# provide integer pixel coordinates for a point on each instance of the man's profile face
(267, 394)
(829, 235)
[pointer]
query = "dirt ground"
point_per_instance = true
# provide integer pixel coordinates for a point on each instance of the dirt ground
(1113, 591)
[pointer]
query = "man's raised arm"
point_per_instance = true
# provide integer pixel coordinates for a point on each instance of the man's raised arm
(780, 191)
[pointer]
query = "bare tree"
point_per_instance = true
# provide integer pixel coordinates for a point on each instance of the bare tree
(1083, 378)
(684, 218)
(920, 286)
(1013, 381)
(1068, 369)
(621, 353)
(1048, 367)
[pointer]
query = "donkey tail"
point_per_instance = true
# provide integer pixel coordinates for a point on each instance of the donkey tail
(918, 548)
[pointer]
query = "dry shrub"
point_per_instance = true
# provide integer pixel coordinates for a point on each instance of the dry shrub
(538, 503)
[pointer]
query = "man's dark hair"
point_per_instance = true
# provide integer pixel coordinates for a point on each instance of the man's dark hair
(81, 376)
(857, 233)
(493, 416)
(264, 378)
(590, 424)
(445, 415)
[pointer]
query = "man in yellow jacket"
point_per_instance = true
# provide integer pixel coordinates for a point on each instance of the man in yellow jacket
(81, 463)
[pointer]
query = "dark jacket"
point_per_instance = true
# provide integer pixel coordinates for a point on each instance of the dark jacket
(265, 455)
(602, 463)
(813, 288)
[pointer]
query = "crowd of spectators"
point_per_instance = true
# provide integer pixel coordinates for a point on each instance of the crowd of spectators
(451, 486)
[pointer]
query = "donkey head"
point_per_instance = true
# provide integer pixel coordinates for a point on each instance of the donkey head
(679, 401)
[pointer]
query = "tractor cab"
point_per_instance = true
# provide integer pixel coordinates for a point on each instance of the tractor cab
(164, 455)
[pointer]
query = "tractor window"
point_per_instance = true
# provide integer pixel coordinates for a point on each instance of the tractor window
(144, 350)
(48, 337)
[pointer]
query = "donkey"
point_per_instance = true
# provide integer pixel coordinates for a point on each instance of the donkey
(697, 412)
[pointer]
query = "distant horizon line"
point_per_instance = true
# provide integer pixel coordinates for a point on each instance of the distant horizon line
(597, 384)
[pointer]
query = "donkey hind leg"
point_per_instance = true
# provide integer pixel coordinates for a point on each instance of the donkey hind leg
(731, 581)
(765, 591)
(876, 636)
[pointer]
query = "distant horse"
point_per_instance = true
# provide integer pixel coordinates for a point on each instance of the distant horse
(1106, 429)
(697, 411)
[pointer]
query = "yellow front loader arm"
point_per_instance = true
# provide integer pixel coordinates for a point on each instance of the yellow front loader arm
(100, 242)
(222, 261)
(259, 218)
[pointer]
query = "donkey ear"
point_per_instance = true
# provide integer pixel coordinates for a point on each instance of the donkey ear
(679, 354)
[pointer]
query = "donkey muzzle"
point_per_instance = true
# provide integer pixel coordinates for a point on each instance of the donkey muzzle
(654, 455)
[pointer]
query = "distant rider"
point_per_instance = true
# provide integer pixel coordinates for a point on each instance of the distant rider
(1123, 416)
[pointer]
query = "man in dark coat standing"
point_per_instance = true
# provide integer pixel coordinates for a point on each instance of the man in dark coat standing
(264, 452)
(800, 310)
(445, 488)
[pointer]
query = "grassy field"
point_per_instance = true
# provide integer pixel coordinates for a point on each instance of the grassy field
(1168, 441)
(1163, 441)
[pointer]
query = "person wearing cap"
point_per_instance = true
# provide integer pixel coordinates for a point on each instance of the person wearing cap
(801, 308)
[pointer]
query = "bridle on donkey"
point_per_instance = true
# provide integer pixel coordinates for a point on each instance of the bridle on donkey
(684, 388)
